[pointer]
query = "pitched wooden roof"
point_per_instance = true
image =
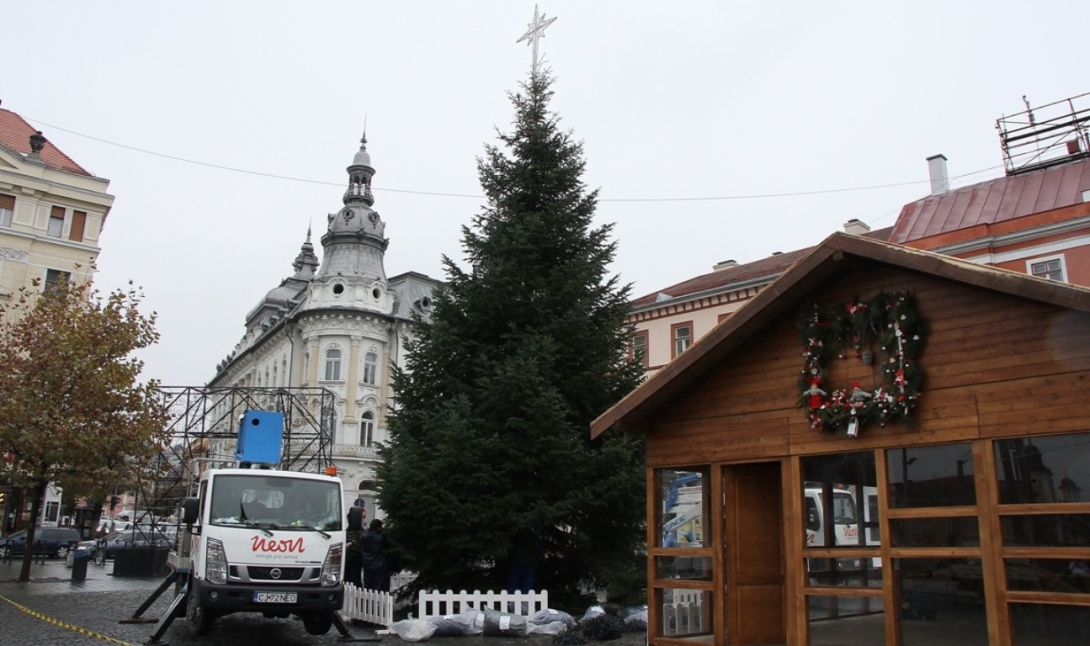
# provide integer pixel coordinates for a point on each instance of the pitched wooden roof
(15, 135)
(993, 202)
(823, 262)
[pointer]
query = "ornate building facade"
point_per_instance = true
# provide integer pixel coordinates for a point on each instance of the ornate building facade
(51, 210)
(338, 324)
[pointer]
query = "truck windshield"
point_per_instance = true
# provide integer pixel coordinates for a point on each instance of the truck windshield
(275, 502)
(843, 509)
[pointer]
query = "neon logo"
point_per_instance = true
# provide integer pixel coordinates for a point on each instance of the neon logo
(285, 545)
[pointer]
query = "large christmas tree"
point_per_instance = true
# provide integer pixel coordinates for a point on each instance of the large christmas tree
(490, 438)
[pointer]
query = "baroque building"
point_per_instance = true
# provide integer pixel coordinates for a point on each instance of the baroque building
(338, 324)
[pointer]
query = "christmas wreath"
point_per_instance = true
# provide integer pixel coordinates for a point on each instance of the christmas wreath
(891, 321)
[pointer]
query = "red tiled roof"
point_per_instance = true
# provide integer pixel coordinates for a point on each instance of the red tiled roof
(994, 201)
(15, 134)
(764, 268)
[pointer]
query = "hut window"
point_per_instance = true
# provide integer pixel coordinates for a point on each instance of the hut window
(931, 476)
(841, 504)
(837, 492)
(683, 502)
(1043, 469)
(941, 597)
(685, 612)
(683, 337)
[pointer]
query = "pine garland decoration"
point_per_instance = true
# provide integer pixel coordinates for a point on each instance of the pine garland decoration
(893, 322)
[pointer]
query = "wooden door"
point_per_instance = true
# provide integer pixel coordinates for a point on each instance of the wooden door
(754, 554)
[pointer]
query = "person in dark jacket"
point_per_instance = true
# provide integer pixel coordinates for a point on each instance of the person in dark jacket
(376, 568)
(353, 558)
(522, 562)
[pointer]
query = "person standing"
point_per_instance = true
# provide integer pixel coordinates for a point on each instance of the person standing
(376, 568)
(353, 557)
(522, 562)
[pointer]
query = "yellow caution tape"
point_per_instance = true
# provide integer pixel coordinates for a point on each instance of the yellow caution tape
(62, 624)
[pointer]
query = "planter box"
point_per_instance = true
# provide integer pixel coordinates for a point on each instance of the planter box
(141, 561)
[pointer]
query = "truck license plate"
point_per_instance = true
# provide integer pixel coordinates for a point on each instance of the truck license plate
(274, 597)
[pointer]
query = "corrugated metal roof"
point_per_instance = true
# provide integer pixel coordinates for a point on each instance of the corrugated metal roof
(994, 201)
(15, 134)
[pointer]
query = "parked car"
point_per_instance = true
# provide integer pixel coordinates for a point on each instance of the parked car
(117, 541)
(54, 541)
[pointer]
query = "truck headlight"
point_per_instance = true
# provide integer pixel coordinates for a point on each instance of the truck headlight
(331, 569)
(215, 561)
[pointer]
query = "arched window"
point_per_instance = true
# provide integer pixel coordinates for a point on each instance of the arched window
(370, 368)
(333, 365)
(367, 429)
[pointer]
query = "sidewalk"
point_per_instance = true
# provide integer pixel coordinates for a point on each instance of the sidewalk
(53, 577)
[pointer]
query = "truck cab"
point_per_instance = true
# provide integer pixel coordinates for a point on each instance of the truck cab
(265, 541)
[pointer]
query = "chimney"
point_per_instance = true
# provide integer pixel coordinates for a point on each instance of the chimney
(940, 181)
(856, 227)
(726, 264)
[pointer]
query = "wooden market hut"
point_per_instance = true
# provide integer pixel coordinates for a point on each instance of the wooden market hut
(885, 446)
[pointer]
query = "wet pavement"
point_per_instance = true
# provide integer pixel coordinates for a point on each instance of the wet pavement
(52, 609)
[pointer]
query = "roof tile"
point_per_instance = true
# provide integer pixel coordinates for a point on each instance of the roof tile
(15, 134)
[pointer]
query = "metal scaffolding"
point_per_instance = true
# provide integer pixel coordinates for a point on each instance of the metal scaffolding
(203, 432)
(1045, 135)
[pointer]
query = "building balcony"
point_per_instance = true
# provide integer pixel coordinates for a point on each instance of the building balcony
(355, 451)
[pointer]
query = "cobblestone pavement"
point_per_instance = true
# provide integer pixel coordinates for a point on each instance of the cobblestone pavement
(88, 613)
(99, 612)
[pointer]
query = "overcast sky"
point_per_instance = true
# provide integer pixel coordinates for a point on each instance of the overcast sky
(676, 103)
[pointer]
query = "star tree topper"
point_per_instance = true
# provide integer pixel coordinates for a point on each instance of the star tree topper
(535, 33)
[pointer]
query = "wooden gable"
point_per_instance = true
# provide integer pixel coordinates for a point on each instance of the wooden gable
(1006, 352)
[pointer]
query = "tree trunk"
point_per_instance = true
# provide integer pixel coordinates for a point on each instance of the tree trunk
(31, 530)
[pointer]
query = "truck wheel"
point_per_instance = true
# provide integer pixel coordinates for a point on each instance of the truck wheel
(318, 623)
(197, 618)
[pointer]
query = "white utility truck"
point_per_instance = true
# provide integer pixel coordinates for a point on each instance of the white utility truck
(262, 539)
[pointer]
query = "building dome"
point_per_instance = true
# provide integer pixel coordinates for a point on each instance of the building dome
(358, 219)
(362, 158)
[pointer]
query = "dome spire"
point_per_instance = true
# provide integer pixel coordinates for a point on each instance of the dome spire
(306, 263)
(359, 175)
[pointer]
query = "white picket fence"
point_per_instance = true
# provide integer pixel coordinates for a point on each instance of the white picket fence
(378, 607)
(438, 604)
(368, 605)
